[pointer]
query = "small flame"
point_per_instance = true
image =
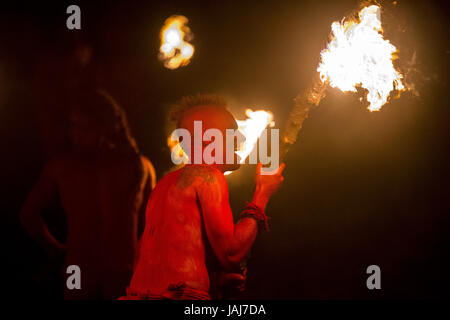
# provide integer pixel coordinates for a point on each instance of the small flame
(359, 56)
(175, 49)
(176, 148)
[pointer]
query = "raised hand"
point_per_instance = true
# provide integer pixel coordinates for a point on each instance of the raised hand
(267, 184)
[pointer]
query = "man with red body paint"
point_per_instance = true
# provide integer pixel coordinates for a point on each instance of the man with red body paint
(189, 231)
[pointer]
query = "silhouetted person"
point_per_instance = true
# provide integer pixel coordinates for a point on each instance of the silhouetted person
(102, 183)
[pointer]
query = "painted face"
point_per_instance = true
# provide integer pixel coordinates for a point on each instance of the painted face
(213, 117)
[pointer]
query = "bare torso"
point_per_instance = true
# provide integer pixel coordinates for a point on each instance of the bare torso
(102, 197)
(174, 243)
(189, 231)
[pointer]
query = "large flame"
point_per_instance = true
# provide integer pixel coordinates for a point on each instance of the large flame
(358, 55)
(175, 49)
(252, 128)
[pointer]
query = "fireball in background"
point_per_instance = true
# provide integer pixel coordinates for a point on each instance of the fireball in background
(175, 50)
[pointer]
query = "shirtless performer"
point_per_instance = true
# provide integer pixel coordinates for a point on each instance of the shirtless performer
(189, 231)
(102, 183)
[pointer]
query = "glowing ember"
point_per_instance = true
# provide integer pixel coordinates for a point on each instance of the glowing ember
(175, 49)
(358, 55)
(252, 129)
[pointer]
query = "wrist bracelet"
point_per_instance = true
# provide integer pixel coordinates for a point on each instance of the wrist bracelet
(253, 211)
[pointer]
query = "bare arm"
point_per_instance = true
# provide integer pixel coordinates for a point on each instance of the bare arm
(231, 242)
(43, 192)
(149, 185)
(151, 174)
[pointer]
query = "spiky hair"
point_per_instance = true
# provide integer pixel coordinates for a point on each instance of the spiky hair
(188, 102)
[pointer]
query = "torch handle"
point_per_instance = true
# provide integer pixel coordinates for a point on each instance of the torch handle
(302, 105)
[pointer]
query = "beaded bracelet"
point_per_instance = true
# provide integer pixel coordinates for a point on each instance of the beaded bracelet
(253, 211)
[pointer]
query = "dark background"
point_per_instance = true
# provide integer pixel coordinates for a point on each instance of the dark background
(360, 188)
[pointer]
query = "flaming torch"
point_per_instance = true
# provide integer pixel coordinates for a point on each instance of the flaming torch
(175, 49)
(356, 56)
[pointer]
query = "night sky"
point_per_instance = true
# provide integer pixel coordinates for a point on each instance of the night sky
(360, 188)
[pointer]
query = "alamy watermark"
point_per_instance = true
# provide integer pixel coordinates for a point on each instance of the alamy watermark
(208, 147)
